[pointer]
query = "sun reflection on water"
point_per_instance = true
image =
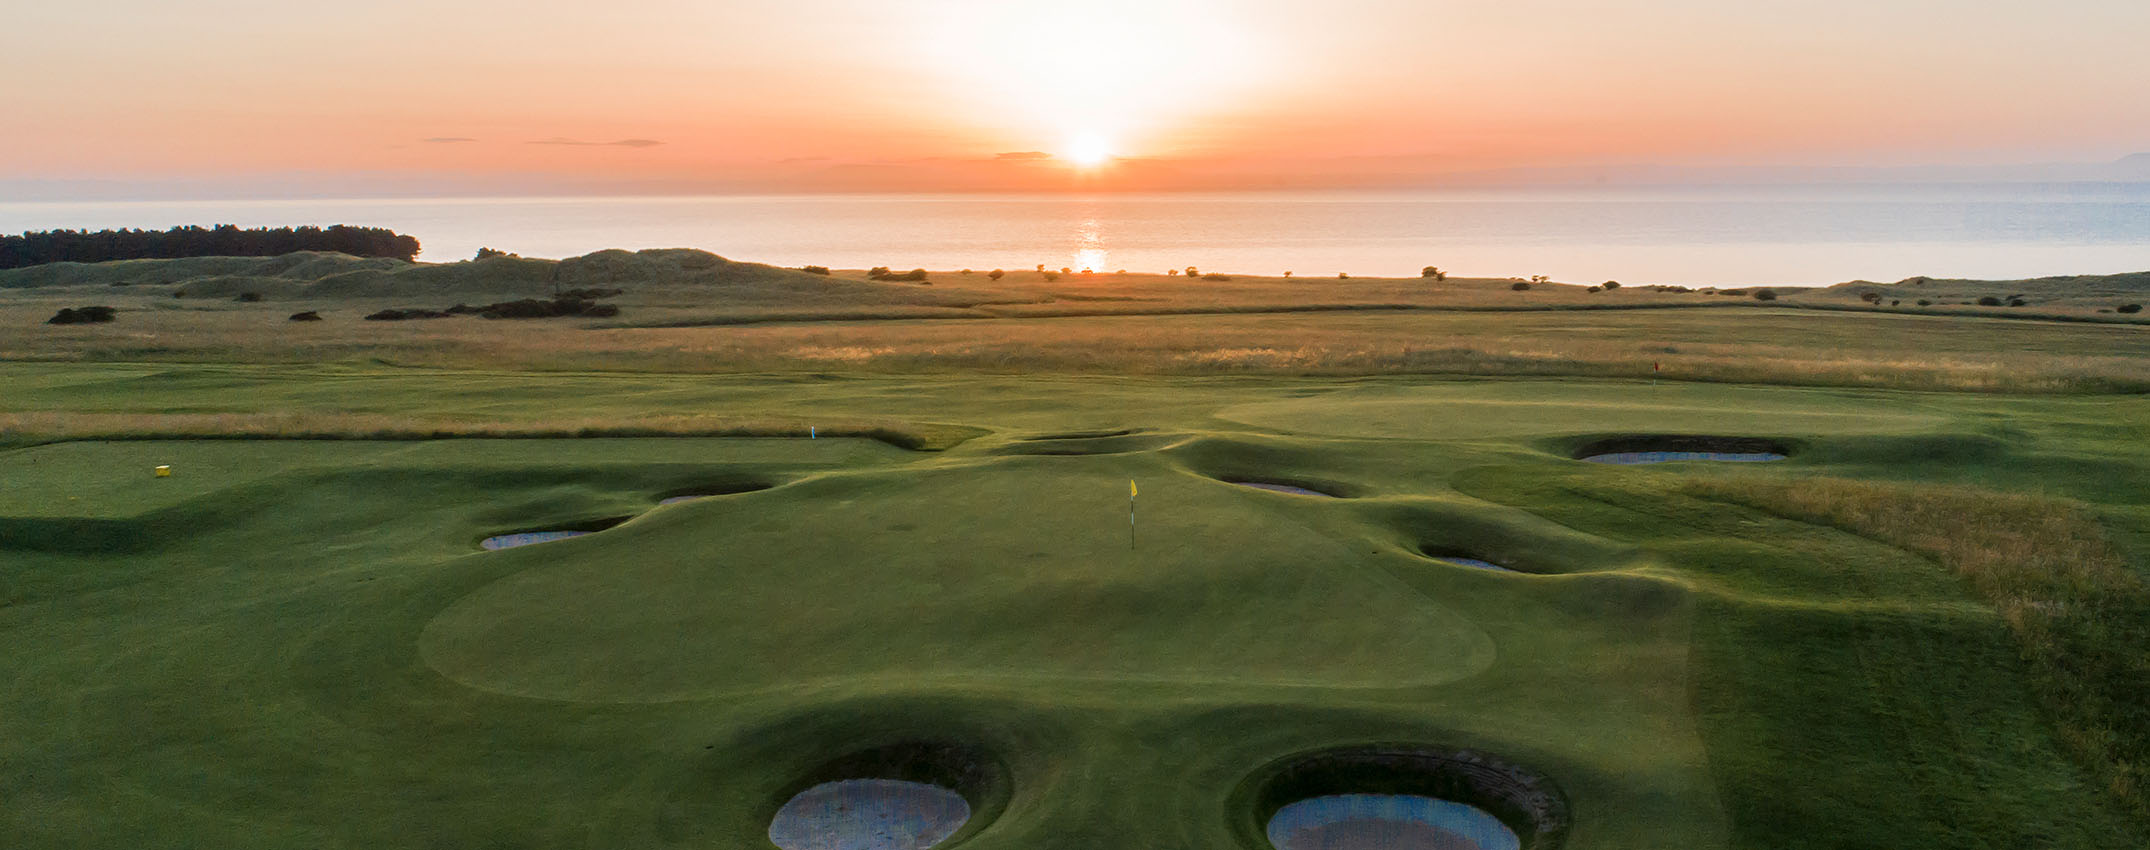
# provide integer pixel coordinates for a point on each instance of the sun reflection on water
(1090, 253)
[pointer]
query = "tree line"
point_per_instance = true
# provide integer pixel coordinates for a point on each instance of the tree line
(224, 240)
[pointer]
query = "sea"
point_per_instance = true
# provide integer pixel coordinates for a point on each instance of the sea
(1725, 236)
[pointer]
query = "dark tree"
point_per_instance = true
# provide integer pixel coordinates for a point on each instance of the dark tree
(224, 240)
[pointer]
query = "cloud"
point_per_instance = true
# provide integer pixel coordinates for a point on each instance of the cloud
(446, 140)
(623, 143)
(1023, 156)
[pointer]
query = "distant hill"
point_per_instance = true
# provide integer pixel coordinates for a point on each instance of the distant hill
(659, 276)
(2072, 292)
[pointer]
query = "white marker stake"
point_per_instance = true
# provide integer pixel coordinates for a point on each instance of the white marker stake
(813, 433)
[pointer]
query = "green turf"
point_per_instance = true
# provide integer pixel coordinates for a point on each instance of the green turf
(298, 643)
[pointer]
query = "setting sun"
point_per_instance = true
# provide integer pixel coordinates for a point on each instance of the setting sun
(1088, 151)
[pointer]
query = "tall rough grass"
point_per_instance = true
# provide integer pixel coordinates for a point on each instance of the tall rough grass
(2080, 616)
(21, 429)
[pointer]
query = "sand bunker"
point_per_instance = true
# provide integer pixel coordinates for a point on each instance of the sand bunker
(1462, 558)
(869, 814)
(689, 495)
(1633, 458)
(1470, 562)
(1392, 797)
(1670, 448)
(1293, 489)
(526, 538)
(1387, 822)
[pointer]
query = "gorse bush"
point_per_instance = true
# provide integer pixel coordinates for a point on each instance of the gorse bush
(81, 316)
(1765, 294)
(1519, 286)
(820, 270)
(1989, 301)
(2129, 308)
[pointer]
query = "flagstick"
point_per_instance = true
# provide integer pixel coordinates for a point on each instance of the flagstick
(1130, 514)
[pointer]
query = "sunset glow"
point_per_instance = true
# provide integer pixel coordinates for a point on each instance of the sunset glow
(932, 95)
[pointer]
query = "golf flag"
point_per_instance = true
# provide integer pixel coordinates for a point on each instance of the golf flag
(1131, 491)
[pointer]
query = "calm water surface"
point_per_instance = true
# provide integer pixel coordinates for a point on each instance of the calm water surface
(1767, 235)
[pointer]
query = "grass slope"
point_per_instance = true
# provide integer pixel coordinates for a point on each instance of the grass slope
(297, 643)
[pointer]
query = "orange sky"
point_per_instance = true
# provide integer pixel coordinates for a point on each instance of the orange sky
(848, 95)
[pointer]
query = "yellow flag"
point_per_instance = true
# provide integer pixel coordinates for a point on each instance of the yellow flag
(1131, 488)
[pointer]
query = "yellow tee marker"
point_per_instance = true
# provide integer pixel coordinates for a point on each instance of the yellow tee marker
(164, 472)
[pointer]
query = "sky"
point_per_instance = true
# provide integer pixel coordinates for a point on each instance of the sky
(553, 96)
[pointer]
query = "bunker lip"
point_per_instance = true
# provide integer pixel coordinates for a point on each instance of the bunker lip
(527, 537)
(1464, 557)
(967, 770)
(1524, 801)
(1293, 487)
(1660, 448)
(1084, 435)
(731, 488)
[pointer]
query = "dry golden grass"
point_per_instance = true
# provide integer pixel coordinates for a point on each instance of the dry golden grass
(1467, 327)
(2080, 616)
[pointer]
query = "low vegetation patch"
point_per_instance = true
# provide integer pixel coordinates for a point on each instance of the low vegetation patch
(81, 316)
(2080, 616)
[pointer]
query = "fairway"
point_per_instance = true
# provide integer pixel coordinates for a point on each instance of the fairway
(1649, 652)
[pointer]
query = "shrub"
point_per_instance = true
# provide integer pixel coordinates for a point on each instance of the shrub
(2128, 308)
(393, 315)
(1989, 301)
(1893, 302)
(820, 270)
(1343, 275)
(1595, 289)
(1172, 272)
(81, 316)
(1925, 303)
(1519, 286)
(965, 271)
(1765, 294)
(1193, 272)
(2016, 302)
(1051, 276)
(1213, 276)
(912, 276)
(489, 253)
(1433, 272)
(1287, 274)
(1066, 270)
(1611, 284)
(996, 274)
(248, 297)
(1732, 292)
(1539, 278)
(1870, 297)
(308, 316)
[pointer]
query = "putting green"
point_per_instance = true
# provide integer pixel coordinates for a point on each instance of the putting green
(1020, 568)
